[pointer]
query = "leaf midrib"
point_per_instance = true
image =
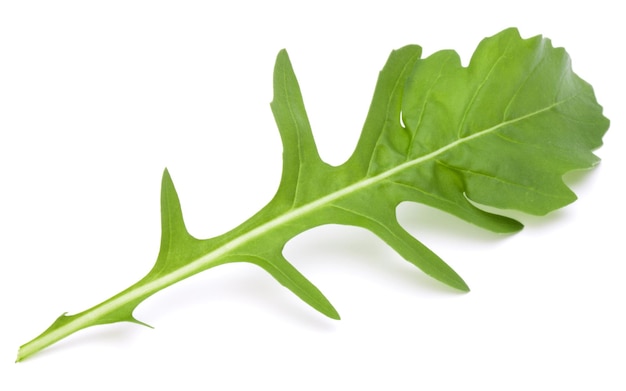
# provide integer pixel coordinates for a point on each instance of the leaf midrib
(209, 259)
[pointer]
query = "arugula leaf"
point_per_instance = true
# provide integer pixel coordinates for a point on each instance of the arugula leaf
(500, 132)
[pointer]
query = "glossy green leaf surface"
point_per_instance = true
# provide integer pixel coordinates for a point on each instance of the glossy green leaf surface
(500, 132)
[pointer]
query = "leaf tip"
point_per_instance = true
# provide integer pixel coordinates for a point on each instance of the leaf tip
(282, 57)
(136, 321)
(332, 313)
(464, 287)
(456, 282)
(166, 175)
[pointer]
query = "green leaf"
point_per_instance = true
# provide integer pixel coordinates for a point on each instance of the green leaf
(500, 133)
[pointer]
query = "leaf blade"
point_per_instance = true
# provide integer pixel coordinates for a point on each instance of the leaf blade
(436, 133)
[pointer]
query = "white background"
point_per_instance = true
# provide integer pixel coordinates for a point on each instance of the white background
(96, 98)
